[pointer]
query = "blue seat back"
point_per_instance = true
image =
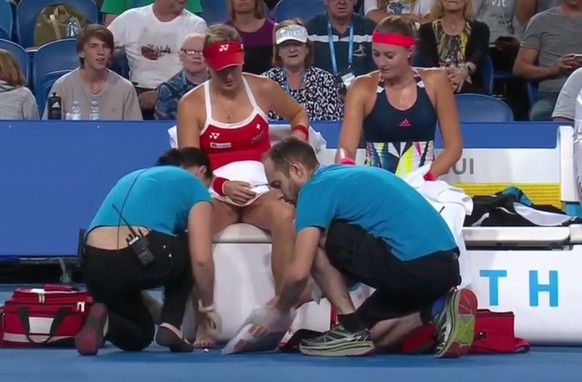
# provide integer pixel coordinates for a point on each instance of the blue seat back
(27, 13)
(56, 55)
(482, 108)
(488, 75)
(532, 92)
(19, 54)
(301, 9)
(6, 20)
(46, 83)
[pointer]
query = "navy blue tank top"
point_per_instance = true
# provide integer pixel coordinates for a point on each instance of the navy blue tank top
(400, 141)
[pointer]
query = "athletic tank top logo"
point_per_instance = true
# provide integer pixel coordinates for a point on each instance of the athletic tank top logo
(405, 123)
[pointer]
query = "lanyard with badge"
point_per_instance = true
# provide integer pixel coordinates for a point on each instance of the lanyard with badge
(344, 78)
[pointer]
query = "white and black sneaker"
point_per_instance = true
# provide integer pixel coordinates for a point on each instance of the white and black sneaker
(339, 342)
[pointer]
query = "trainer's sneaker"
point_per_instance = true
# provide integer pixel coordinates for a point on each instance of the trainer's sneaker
(456, 324)
(90, 338)
(338, 342)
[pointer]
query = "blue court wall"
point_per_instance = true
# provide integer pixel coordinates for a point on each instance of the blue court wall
(54, 175)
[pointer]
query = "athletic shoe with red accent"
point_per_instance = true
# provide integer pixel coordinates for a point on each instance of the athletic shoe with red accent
(90, 338)
(456, 324)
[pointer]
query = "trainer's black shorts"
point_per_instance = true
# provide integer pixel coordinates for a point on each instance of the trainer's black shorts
(402, 287)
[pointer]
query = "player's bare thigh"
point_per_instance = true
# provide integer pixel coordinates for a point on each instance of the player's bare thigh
(268, 210)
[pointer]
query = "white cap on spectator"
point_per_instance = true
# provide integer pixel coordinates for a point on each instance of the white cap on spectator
(291, 33)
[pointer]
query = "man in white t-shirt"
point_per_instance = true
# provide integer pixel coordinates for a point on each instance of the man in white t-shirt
(418, 11)
(152, 37)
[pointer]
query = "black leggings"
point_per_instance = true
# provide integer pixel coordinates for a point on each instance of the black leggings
(116, 279)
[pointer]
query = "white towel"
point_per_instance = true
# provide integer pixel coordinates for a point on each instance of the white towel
(453, 205)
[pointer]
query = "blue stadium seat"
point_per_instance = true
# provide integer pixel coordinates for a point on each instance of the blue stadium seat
(56, 55)
(482, 108)
(532, 92)
(302, 9)
(19, 54)
(488, 75)
(27, 13)
(215, 12)
(46, 83)
(13, 6)
(6, 20)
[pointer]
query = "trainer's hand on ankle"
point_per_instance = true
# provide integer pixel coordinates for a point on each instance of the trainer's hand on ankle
(214, 319)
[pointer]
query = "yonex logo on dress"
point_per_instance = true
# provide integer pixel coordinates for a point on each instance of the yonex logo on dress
(214, 135)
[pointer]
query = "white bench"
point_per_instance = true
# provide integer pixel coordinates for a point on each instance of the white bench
(242, 256)
(504, 277)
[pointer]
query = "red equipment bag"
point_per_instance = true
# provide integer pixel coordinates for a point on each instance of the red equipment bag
(494, 334)
(49, 316)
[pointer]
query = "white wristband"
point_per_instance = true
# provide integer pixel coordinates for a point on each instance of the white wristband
(205, 309)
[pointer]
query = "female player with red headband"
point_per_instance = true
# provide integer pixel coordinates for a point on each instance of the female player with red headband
(228, 118)
(397, 108)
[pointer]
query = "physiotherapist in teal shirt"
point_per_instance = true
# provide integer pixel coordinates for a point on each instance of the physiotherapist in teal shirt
(367, 225)
(152, 230)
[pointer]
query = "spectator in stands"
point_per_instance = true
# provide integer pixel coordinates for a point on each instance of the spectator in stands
(16, 100)
(313, 88)
(456, 42)
(93, 81)
(505, 37)
(113, 8)
(227, 118)
(526, 9)
(417, 11)
(153, 48)
(341, 40)
(398, 109)
(256, 30)
(170, 205)
(549, 58)
(194, 73)
(505, 32)
(566, 104)
(272, 3)
(345, 233)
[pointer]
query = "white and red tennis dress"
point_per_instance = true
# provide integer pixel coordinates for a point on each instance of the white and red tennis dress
(236, 149)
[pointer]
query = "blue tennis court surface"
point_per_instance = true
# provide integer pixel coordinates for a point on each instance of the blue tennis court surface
(157, 364)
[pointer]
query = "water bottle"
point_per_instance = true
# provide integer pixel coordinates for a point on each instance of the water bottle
(94, 114)
(55, 108)
(76, 111)
(72, 27)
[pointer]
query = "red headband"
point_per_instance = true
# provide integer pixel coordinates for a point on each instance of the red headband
(393, 39)
(224, 54)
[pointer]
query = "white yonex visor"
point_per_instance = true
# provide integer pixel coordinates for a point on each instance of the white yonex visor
(291, 33)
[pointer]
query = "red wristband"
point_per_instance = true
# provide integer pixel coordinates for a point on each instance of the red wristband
(429, 176)
(218, 185)
(304, 129)
(348, 161)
